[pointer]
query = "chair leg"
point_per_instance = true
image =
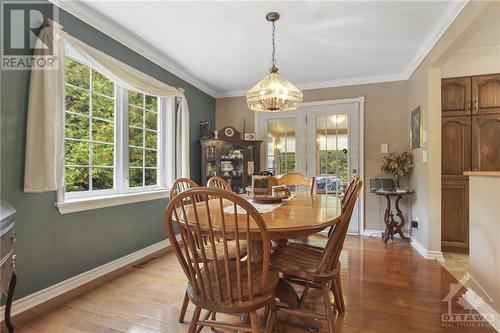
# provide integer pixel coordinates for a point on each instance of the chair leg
(184, 307)
(341, 294)
(337, 293)
(194, 320)
(274, 313)
(328, 307)
(336, 296)
(254, 322)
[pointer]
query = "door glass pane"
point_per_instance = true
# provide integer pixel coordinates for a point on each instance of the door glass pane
(281, 145)
(331, 152)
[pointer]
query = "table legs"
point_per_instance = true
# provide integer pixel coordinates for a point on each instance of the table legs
(398, 227)
(392, 227)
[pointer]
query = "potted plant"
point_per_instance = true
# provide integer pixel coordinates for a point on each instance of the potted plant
(398, 165)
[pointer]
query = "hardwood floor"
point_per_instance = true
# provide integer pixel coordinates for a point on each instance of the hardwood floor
(387, 288)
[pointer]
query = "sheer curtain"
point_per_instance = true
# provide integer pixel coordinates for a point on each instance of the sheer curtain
(44, 169)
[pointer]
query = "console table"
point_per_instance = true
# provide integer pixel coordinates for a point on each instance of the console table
(393, 227)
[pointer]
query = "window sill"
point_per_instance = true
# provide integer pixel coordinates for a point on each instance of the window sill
(78, 205)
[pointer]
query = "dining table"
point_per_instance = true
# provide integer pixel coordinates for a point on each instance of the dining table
(302, 215)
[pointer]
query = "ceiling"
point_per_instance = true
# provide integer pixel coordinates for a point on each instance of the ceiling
(224, 48)
(488, 35)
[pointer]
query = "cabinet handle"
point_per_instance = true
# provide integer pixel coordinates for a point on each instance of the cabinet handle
(469, 105)
(476, 105)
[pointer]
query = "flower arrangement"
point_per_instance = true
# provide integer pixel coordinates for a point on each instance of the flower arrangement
(398, 165)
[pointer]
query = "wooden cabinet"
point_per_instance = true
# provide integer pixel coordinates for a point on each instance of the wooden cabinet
(455, 211)
(486, 94)
(456, 96)
(486, 142)
(455, 151)
(234, 160)
(470, 135)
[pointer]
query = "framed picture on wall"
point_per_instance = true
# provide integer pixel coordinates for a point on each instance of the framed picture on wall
(416, 127)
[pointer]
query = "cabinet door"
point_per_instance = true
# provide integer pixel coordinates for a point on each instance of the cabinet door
(486, 94)
(455, 96)
(486, 142)
(455, 145)
(455, 211)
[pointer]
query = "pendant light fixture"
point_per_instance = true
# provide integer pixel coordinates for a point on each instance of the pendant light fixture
(273, 93)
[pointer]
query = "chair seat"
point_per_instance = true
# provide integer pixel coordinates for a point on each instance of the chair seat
(301, 261)
(214, 304)
(219, 250)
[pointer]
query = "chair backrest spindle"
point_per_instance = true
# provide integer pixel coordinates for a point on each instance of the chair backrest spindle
(219, 182)
(222, 279)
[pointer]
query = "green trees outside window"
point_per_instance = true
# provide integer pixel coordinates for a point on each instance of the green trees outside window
(90, 126)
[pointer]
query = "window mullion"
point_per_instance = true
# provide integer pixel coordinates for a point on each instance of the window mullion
(91, 136)
(118, 180)
(124, 143)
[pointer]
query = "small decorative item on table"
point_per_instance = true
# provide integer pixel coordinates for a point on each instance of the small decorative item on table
(265, 189)
(398, 166)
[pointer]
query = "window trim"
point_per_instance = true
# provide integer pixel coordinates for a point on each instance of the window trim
(68, 202)
(103, 201)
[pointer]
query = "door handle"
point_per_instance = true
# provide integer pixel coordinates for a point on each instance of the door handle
(354, 171)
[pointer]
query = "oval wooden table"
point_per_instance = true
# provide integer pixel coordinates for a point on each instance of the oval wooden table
(302, 216)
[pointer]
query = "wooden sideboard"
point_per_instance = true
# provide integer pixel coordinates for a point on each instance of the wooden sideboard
(7, 264)
(470, 135)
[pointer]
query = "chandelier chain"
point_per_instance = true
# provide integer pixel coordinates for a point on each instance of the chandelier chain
(273, 63)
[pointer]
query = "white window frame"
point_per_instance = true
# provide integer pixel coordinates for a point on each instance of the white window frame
(68, 202)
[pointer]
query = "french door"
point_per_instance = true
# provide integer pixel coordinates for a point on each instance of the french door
(319, 139)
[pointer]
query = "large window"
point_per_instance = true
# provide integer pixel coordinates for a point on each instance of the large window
(89, 129)
(143, 140)
(112, 135)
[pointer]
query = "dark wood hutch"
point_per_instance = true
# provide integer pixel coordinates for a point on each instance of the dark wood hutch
(232, 159)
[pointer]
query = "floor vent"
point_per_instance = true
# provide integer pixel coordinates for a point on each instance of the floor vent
(145, 262)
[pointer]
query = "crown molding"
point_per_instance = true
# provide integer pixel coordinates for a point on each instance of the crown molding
(129, 39)
(137, 44)
(442, 24)
(331, 83)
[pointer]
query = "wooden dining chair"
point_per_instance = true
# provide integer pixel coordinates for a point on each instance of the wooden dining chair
(297, 179)
(180, 185)
(219, 182)
(317, 268)
(222, 284)
(183, 184)
(345, 197)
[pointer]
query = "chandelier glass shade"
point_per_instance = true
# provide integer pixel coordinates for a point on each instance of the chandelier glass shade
(273, 93)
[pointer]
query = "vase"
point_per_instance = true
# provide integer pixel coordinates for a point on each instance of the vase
(396, 182)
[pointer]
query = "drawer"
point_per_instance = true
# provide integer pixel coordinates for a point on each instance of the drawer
(7, 240)
(6, 271)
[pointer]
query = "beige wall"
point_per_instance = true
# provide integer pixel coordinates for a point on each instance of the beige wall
(385, 122)
(423, 88)
(468, 62)
(381, 111)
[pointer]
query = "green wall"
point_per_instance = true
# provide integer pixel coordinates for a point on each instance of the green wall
(52, 247)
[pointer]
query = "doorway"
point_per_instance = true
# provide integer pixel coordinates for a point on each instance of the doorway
(319, 139)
